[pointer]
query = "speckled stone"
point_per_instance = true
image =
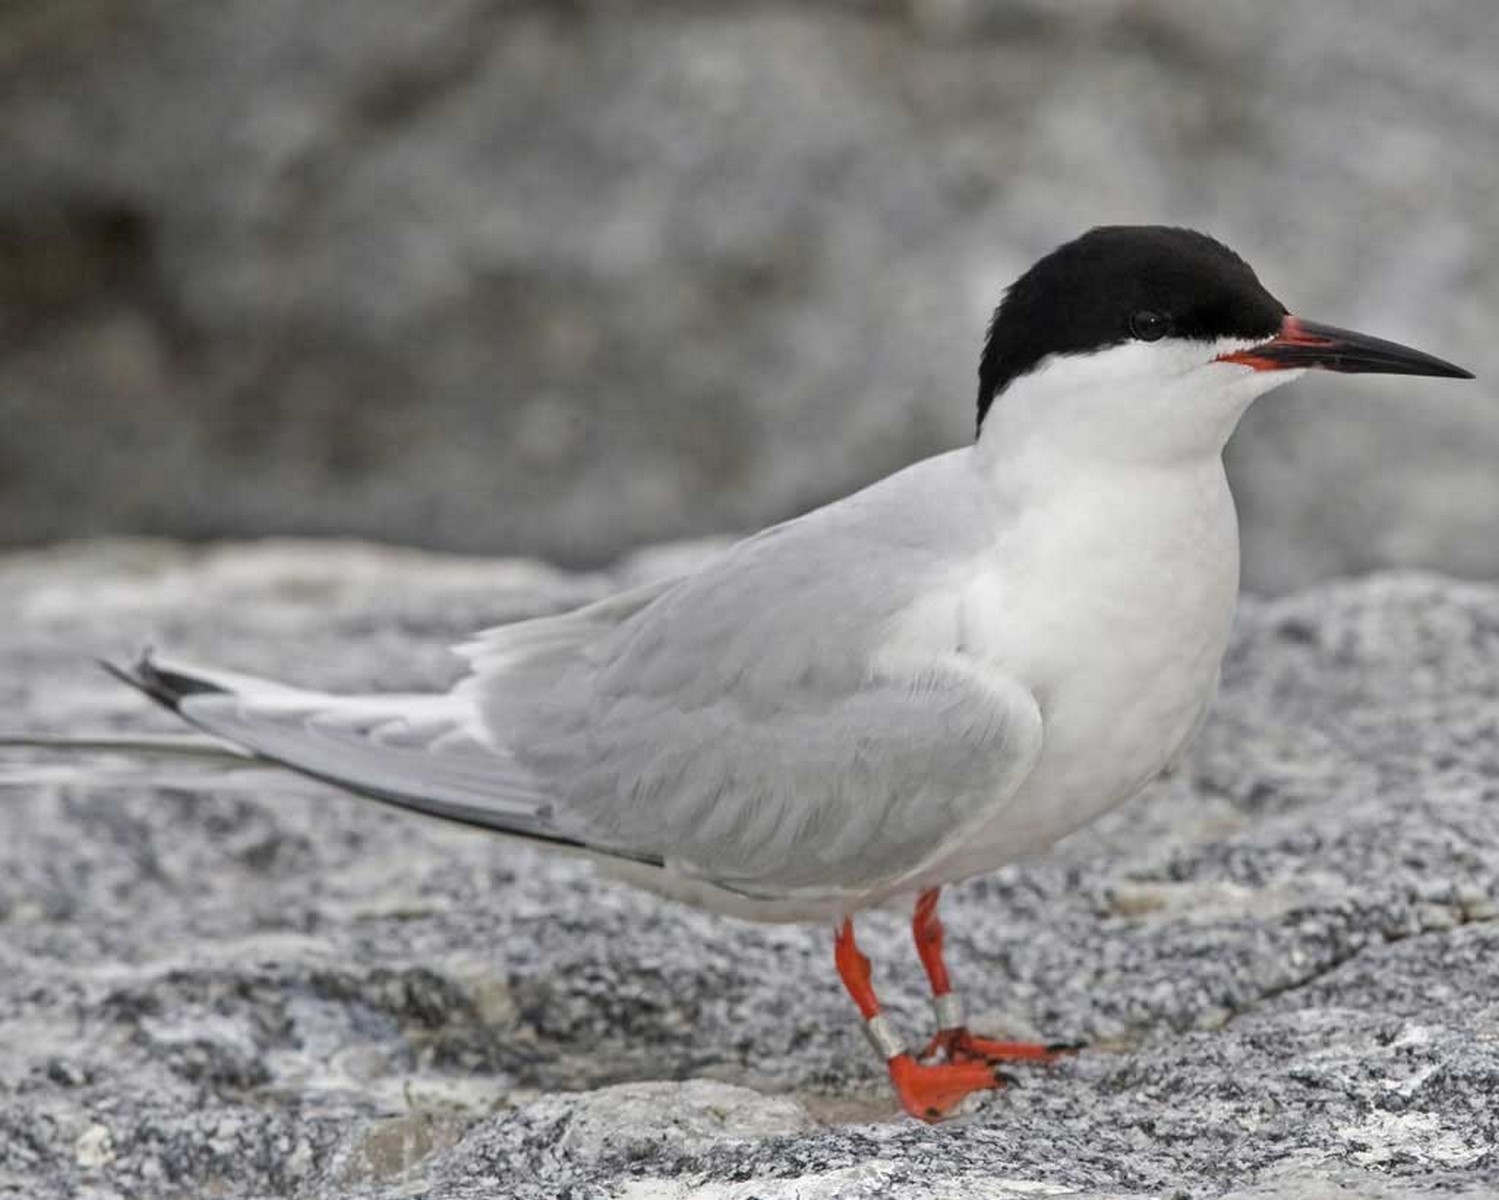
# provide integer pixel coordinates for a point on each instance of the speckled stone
(1285, 958)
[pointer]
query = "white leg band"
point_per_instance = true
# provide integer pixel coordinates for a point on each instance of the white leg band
(882, 1036)
(949, 1010)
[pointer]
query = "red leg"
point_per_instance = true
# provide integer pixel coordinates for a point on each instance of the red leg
(952, 1037)
(926, 929)
(928, 1091)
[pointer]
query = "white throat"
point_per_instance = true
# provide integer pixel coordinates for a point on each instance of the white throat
(1140, 404)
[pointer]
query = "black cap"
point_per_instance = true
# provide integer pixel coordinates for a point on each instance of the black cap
(1121, 283)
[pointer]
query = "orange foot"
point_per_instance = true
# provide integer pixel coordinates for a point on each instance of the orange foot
(960, 1046)
(929, 1091)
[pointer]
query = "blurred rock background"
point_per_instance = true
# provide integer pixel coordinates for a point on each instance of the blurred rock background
(561, 277)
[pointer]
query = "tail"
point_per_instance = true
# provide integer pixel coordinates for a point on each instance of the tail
(183, 760)
(141, 745)
(423, 753)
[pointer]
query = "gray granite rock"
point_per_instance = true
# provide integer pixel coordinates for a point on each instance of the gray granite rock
(1285, 958)
(535, 277)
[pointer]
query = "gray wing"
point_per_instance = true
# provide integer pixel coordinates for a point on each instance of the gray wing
(427, 753)
(768, 723)
(838, 793)
(416, 751)
(776, 722)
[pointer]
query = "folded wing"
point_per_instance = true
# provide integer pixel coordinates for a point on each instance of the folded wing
(774, 723)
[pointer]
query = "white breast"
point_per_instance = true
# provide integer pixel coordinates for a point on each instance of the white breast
(1114, 606)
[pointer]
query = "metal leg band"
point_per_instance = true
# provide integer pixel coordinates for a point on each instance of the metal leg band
(882, 1036)
(949, 1010)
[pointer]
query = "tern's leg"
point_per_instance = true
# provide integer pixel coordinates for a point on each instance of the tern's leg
(927, 1091)
(952, 1036)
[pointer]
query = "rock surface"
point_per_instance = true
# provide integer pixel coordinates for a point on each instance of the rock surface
(534, 277)
(1285, 958)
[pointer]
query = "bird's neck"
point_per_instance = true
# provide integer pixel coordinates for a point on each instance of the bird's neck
(1118, 466)
(1125, 409)
(1099, 549)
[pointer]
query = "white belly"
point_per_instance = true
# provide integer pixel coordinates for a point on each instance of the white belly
(1117, 620)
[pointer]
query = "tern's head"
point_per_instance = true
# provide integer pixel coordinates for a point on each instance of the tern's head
(1147, 341)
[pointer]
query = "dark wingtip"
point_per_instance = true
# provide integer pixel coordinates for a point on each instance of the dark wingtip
(167, 688)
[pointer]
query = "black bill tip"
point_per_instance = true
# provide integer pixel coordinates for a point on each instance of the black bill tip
(1302, 344)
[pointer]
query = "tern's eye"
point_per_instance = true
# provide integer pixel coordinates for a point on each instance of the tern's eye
(1149, 326)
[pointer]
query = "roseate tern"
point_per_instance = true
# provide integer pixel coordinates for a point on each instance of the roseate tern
(938, 674)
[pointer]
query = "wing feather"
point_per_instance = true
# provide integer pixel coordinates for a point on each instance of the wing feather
(776, 723)
(418, 751)
(768, 723)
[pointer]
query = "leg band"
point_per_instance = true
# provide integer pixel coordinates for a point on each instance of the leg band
(882, 1036)
(949, 1010)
